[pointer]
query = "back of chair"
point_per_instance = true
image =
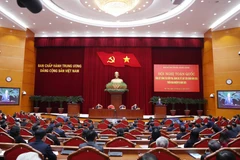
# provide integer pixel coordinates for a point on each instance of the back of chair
(140, 129)
(4, 137)
(108, 131)
(164, 154)
(234, 143)
(10, 120)
(102, 126)
(79, 131)
(139, 125)
(74, 120)
(199, 120)
(129, 136)
(177, 129)
(124, 122)
(15, 151)
(207, 131)
(120, 142)
(120, 125)
(75, 141)
(47, 140)
(56, 134)
(213, 155)
(135, 132)
(86, 153)
(141, 122)
(25, 132)
(216, 135)
(168, 122)
(60, 119)
(2, 130)
(66, 128)
(172, 144)
(202, 144)
(186, 136)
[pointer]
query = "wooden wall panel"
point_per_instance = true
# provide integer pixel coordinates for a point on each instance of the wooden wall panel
(12, 44)
(226, 45)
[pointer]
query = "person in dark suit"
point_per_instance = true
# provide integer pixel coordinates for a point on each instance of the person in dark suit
(15, 133)
(170, 128)
(213, 146)
(24, 122)
(194, 137)
(120, 132)
(190, 127)
(91, 138)
(50, 135)
(122, 107)
(223, 139)
(134, 107)
(58, 130)
(197, 127)
(230, 132)
(42, 147)
(182, 132)
(236, 128)
(155, 135)
(69, 124)
(203, 126)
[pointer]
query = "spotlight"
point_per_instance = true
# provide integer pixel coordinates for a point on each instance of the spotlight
(33, 6)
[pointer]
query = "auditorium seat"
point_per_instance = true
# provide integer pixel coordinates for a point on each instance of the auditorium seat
(129, 136)
(224, 123)
(218, 123)
(135, 132)
(4, 137)
(186, 136)
(177, 129)
(66, 128)
(120, 125)
(10, 120)
(73, 120)
(213, 155)
(106, 121)
(164, 132)
(176, 125)
(208, 131)
(47, 140)
(56, 134)
(199, 120)
(25, 132)
(124, 122)
(164, 135)
(28, 125)
(141, 122)
(108, 131)
(168, 122)
(202, 144)
(2, 130)
(234, 143)
(171, 144)
(216, 135)
(88, 153)
(44, 126)
(32, 118)
(139, 125)
(60, 120)
(102, 126)
(15, 151)
(74, 141)
(42, 122)
(139, 129)
(79, 131)
(205, 120)
(120, 142)
(162, 153)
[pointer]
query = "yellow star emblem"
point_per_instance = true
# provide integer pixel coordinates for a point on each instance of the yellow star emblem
(126, 59)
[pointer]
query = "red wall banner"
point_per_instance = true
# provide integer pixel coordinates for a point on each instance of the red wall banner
(176, 78)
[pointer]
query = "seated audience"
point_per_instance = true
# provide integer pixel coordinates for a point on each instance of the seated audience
(210, 123)
(120, 132)
(170, 128)
(58, 130)
(151, 127)
(34, 128)
(182, 132)
(225, 155)
(230, 132)
(52, 124)
(52, 136)
(197, 127)
(99, 106)
(91, 138)
(41, 146)
(213, 146)
(216, 128)
(69, 124)
(155, 135)
(15, 133)
(24, 122)
(148, 156)
(236, 128)
(162, 142)
(5, 126)
(194, 137)
(203, 126)
(84, 133)
(122, 107)
(28, 156)
(111, 106)
(150, 121)
(224, 139)
(190, 127)
(134, 107)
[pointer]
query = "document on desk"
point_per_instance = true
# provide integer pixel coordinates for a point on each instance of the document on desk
(55, 152)
(2, 153)
(195, 155)
(143, 146)
(181, 146)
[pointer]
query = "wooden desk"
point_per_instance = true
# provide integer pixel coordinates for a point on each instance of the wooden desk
(160, 111)
(111, 113)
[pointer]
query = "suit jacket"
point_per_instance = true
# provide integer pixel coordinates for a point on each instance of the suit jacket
(231, 134)
(54, 138)
(19, 139)
(205, 155)
(60, 132)
(190, 143)
(92, 144)
(44, 148)
(179, 135)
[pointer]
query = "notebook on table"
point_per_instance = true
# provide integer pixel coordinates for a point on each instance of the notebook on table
(115, 154)
(66, 152)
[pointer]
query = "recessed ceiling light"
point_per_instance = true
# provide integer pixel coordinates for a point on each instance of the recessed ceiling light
(6, 1)
(71, 22)
(191, 10)
(149, 26)
(43, 32)
(72, 32)
(99, 10)
(86, 25)
(133, 28)
(13, 26)
(89, 5)
(195, 32)
(147, 2)
(139, 8)
(236, 19)
(56, 16)
(163, 32)
(101, 28)
(203, 24)
(57, 31)
(186, 23)
(85, 1)
(224, 26)
(50, 23)
(1, 18)
(21, 13)
(116, 28)
(202, 1)
(178, 17)
(229, 1)
(215, 14)
(43, 9)
(34, 23)
(133, 10)
(144, 5)
(94, 8)
(148, 32)
(163, 22)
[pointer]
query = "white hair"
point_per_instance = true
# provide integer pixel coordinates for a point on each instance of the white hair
(28, 156)
(162, 142)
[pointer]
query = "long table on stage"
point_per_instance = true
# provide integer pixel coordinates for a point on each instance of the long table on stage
(112, 113)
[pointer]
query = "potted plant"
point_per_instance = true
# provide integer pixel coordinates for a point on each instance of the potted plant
(35, 99)
(73, 105)
(187, 101)
(60, 99)
(200, 102)
(154, 100)
(48, 99)
(173, 101)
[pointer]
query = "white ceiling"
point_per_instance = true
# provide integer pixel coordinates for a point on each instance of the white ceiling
(192, 22)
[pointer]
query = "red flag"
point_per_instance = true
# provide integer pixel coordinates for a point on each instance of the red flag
(131, 60)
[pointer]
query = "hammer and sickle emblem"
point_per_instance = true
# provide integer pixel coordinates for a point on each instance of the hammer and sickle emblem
(111, 59)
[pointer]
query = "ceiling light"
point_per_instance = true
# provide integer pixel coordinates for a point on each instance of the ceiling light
(57, 31)
(71, 22)
(178, 17)
(85, 1)
(215, 14)
(133, 28)
(236, 19)
(116, 7)
(21, 13)
(224, 26)
(56, 16)
(50, 23)
(186, 23)
(43, 9)
(203, 24)
(13, 26)
(191, 10)
(72, 32)
(229, 1)
(202, 0)
(34, 23)
(1, 18)
(149, 26)
(6, 1)
(163, 22)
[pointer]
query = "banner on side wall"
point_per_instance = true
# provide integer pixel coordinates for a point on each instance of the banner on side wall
(119, 59)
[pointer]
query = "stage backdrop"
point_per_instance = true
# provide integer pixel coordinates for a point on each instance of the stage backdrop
(59, 72)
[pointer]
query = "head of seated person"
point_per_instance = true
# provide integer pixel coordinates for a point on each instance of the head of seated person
(91, 127)
(28, 156)
(155, 134)
(214, 145)
(58, 125)
(40, 134)
(182, 129)
(194, 135)
(15, 131)
(229, 127)
(225, 155)
(49, 129)
(4, 126)
(122, 107)
(111, 106)
(223, 138)
(148, 156)
(84, 133)
(197, 125)
(216, 128)
(162, 142)
(120, 132)
(91, 136)
(110, 126)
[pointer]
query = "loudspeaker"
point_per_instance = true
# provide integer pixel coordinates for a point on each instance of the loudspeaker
(33, 6)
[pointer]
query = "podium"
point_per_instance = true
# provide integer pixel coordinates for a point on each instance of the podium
(73, 110)
(160, 111)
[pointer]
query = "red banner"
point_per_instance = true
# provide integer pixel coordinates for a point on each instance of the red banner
(176, 78)
(118, 59)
